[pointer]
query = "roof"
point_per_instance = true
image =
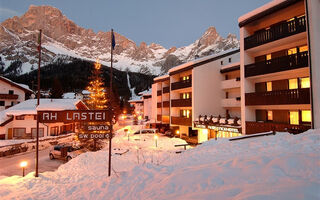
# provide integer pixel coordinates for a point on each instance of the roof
(201, 61)
(23, 87)
(231, 67)
(161, 78)
(146, 92)
(264, 10)
(136, 101)
(29, 107)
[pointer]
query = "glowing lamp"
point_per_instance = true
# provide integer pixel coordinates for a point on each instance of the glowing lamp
(23, 165)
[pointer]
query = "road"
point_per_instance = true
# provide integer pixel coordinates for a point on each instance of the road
(9, 166)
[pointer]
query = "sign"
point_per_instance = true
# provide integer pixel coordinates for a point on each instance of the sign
(96, 127)
(200, 126)
(221, 128)
(93, 135)
(70, 116)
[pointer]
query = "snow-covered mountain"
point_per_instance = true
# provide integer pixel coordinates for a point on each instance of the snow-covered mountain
(62, 38)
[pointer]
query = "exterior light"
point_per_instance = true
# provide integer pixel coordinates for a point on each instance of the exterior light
(23, 165)
(177, 132)
(156, 140)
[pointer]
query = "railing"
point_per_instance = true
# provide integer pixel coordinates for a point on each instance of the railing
(166, 104)
(260, 127)
(159, 92)
(159, 117)
(166, 90)
(165, 119)
(181, 102)
(276, 32)
(231, 102)
(159, 105)
(279, 64)
(231, 83)
(181, 121)
(181, 84)
(9, 96)
(279, 97)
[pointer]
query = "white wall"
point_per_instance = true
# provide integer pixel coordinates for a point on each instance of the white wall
(4, 89)
(147, 107)
(154, 103)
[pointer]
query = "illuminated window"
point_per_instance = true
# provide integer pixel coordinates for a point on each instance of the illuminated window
(268, 57)
(294, 117)
(269, 86)
(186, 96)
(185, 78)
(293, 83)
(305, 82)
(303, 48)
(270, 115)
(306, 116)
(186, 113)
(292, 51)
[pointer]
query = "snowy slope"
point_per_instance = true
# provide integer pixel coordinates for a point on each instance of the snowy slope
(272, 167)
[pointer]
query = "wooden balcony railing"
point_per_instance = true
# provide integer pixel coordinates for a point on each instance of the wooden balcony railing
(181, 84)
(159, 117)
(181, 103)
(276, 32)
(9, 96)
(166, 90)
(279, 64)
(260, 127)
(279, 97)
(159, 92)
(166, 104)
(181, 121)
(159, 105)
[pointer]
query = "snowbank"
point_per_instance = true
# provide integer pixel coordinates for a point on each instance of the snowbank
(283, 166)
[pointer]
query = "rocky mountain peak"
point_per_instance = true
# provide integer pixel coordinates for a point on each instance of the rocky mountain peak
(209, 37)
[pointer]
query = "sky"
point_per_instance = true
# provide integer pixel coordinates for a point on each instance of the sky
(165, 22)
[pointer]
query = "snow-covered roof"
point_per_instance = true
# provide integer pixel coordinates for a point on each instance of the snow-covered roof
(85, 92)
(230, 65)
(69, 95)
(29, 107)
(146, 93)
(18, 85)
(161, 77)
(136, 101)
(260, 10)
(199, 60)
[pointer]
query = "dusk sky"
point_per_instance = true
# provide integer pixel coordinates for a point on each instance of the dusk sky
(166, 22)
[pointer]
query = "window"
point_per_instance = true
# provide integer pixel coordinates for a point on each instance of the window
(303, 48)
(21, 117)
(292, 51)
(19, 132)
(268, 57)
(294, 117)
(305, 82)
(10, 91)
(1, 103)
(34, 117)
(293, 83)
(34, 132)
(306, 116)
(185, 78)
(270, 115)
(186, 113)
(54, 130)
(269, 86)
(186, 95)
(229, 60)
(221, 62)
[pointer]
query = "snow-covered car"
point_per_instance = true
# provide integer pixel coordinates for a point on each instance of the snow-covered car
(65, 152)
(140, 134)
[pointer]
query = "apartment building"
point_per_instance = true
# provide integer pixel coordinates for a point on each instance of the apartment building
(12, 93)
(275, 68)
(138, 107)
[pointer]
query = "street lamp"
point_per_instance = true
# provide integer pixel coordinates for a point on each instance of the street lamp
(156, 140)
(23, 165)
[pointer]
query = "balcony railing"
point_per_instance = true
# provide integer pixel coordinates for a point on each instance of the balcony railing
(279, 64)
(181, 84)
(9, 96)
(166, 104)
(159, 117)
(166, 90)
(181, 121)
(276, 32)
(159, 92)
(260, 127)
(165, 119)
(279, 97)
(232, 83)
(181, 103)
(159, 105)
(231, 102)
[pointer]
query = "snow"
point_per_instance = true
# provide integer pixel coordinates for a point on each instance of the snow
(69, 95)
(17, 84)
(283, 166)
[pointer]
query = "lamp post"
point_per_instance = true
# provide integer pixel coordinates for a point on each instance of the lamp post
(156, 140)
(23, 165)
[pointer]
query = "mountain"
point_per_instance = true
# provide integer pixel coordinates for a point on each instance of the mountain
(64, 40)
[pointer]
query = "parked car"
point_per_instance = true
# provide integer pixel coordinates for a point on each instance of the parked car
(138, 135)
(64, 152)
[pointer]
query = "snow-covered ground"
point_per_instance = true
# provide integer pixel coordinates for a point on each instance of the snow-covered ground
(283, 166)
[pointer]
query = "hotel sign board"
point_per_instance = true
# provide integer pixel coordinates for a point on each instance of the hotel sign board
(219, 128)
(70, 116)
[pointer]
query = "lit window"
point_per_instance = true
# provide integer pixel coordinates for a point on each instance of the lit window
(303, 48)
(294, 117)
(268, 57)
(292, 51)
(270, 115)
(305, 82)
(306, 116)
(269, 86)
(293, 84)
(185, 78)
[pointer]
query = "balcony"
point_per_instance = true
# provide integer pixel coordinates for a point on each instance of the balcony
(9, 96)
(231, 102)
(279, 97)
(260, 127)
(232, 83)
(159, 92)
(276, 32)
(166, 104)
(181, 103)
(181, 121)
(279, 64)
(166, 119)
(166, 90)
(181, 84)
(159, 117)
(159, 105)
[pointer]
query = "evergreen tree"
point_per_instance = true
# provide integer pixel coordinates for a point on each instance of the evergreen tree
(56, 92)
